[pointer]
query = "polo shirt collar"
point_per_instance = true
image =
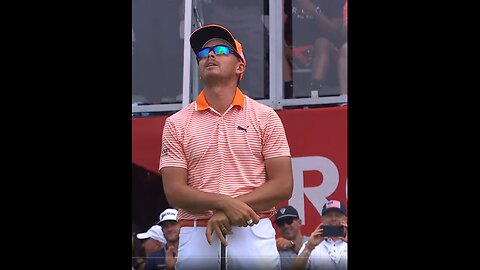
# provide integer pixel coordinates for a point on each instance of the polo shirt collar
(201, 101)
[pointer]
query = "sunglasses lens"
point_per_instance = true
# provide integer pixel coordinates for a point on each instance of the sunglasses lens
(203, 53)
(220, 49)
(282, 222)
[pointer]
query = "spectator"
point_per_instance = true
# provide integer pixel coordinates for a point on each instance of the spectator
(322, 252)
(313, 35)
(154, 241)
(165, 258)
(291, 240)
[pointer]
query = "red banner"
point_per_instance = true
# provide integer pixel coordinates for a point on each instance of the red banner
(318, 144)
(147, 141)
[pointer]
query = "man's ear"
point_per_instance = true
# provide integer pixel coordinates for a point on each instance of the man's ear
(240, 68)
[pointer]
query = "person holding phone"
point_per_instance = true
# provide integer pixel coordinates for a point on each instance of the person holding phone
(326, 248)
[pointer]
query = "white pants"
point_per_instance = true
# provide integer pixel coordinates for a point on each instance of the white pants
(248, 248)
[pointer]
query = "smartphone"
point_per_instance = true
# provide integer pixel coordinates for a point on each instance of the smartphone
(333, 230)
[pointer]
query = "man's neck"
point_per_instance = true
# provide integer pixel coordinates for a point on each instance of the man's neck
(220, 98)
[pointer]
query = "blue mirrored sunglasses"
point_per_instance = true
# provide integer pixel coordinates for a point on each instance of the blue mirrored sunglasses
(217, 49)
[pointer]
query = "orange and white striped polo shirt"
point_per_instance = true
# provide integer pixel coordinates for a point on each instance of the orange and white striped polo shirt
(223, 154)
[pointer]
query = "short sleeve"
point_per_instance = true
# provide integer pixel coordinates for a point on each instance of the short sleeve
(171, 154)
(274, 141)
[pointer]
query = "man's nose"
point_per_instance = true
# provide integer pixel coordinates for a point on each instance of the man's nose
(211, 54)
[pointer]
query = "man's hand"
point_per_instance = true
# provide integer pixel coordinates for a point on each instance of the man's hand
(316, 236)
(171, 258)
(239, 213)
(345, 228)
(220, 224)
(283, 243)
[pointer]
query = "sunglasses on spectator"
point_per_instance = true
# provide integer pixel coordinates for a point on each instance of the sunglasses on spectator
(217, 49)
(288, 220)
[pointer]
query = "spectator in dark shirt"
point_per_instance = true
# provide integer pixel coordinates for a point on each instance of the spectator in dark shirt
(313, 37)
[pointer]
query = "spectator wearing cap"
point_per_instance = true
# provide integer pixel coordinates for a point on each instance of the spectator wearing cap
(289, 224)
(326, 252)
(165, 257)
(216, 155)
(153, 241)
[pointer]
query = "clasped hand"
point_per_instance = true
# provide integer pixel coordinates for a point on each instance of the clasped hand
(234, 213)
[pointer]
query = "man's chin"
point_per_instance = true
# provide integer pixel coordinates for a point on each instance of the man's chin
(211, 76)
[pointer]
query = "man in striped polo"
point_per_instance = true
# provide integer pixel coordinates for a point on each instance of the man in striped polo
(225, 164)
